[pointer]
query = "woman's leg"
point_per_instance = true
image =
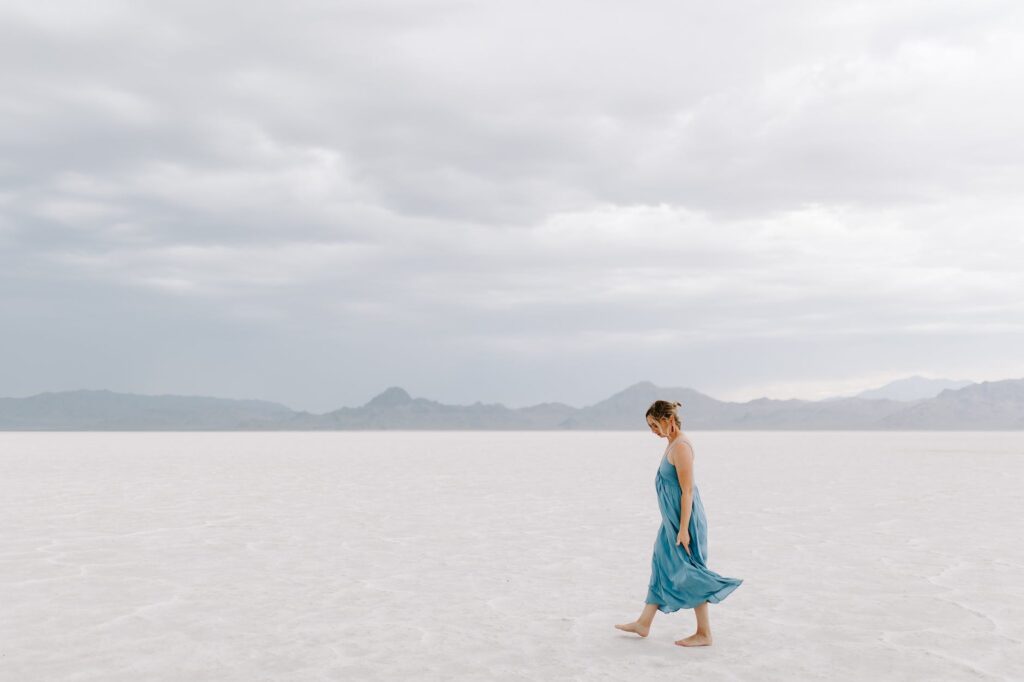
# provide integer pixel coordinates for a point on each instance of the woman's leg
(647, 616)
(642, 625)
(703, 635)
(703, 622)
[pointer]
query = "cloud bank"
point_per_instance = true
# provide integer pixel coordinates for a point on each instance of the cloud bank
(509, 202)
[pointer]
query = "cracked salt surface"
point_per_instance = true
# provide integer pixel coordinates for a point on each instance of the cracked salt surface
(503, 556)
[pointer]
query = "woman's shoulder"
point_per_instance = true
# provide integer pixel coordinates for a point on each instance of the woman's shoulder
(683, 446)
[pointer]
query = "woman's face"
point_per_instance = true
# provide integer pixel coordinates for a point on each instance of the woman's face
(655, 426)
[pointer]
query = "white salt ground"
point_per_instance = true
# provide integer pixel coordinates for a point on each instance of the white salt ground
(503, 556)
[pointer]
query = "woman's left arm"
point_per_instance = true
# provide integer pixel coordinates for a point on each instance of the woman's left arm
(683, 460)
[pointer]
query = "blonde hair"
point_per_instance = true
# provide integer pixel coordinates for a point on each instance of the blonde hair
(665, 409)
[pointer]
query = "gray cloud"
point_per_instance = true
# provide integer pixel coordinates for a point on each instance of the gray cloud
(503, 202)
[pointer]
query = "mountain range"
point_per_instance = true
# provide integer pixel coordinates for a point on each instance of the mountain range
(911, 388)
(989, 405)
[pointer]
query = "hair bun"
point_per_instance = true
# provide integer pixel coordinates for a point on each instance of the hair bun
(665, 409)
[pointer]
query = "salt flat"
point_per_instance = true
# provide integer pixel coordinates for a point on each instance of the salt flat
(504, 556)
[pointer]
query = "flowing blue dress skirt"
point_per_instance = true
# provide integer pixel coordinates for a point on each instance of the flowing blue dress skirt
(681, 580)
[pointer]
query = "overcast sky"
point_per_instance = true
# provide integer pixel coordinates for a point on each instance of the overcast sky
(512, 202)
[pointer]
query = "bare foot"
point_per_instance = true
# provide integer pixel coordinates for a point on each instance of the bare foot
(696, 639)
(636, 627)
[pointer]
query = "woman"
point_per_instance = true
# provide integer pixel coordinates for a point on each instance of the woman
(680, 578)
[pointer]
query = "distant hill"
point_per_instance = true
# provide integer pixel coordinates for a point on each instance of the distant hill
(108, 411)
(990, 405)
(912, 388)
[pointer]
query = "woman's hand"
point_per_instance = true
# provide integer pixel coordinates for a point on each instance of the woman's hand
(684, 539)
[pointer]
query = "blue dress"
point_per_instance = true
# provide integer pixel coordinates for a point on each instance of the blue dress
(680, 580)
